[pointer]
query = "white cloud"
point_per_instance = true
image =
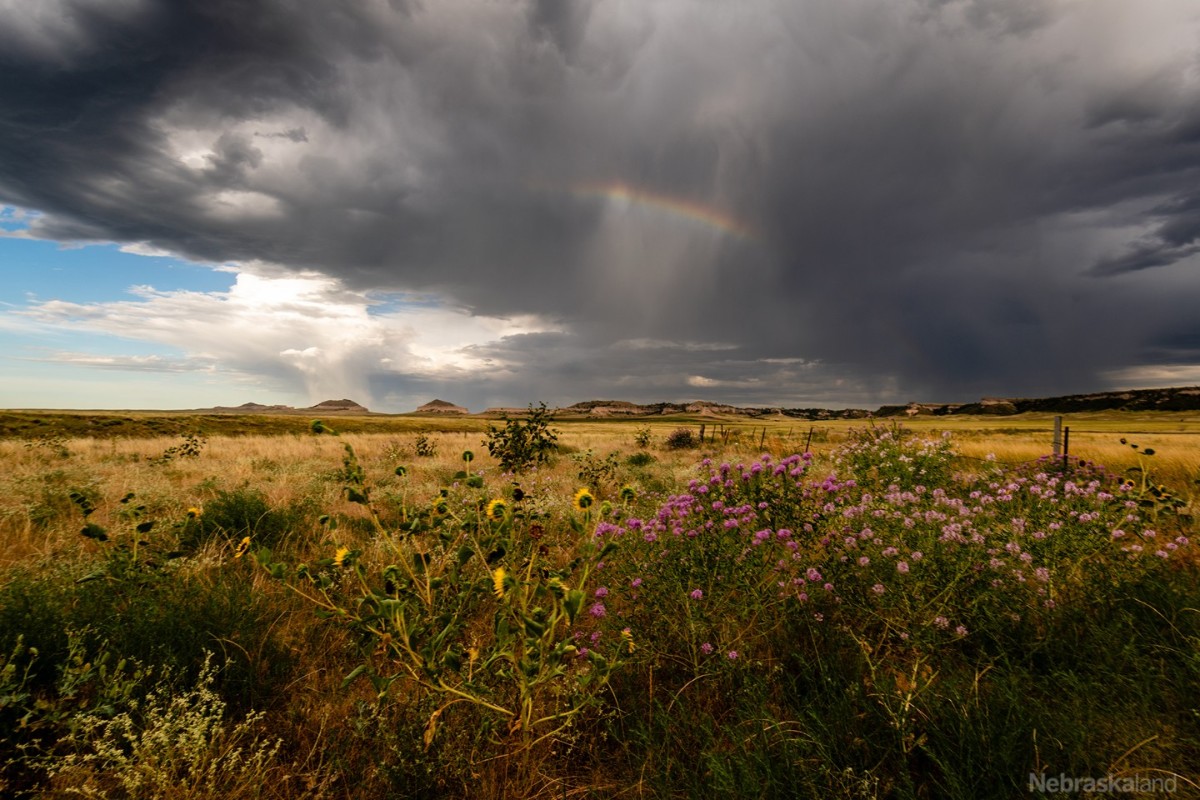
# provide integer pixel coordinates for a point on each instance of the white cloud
(306, 330)
(666, 344)
(1153, 376)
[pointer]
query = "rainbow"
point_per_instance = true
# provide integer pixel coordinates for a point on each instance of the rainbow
(677, 206)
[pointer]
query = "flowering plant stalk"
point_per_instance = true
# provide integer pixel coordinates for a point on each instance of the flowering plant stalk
(422, 616)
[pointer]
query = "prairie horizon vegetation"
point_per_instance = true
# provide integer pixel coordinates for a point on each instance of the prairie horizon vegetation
(922, 609)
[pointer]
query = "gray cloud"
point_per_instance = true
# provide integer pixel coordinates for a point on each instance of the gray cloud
(949, 197)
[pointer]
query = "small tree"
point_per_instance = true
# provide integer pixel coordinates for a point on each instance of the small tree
(521, 444)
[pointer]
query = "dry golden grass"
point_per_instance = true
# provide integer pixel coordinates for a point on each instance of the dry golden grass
(37, 519)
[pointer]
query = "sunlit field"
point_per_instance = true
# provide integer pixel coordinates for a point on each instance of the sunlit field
(418, 607)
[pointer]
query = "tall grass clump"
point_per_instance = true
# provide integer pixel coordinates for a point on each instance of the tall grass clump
(175, 743)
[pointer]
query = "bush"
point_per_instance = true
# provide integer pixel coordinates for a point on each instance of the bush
(681, 439)
(640, 460)
(172, 745)
(234, 514)
(474, 611)
(595, 471)
(521, 444)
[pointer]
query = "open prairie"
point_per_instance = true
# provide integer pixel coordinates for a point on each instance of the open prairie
(208, 605)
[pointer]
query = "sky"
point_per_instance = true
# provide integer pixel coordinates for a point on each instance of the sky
(798, 203)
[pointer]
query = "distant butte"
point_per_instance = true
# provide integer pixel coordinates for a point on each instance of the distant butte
(441, 407)
(339, 405)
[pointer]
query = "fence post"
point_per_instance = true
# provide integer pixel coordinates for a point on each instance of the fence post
(1057, 435)
(1066, 444)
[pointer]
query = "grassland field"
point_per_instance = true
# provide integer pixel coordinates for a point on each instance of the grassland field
(197, 551)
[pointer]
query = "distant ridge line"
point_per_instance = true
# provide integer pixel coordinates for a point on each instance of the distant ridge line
(1182, 398)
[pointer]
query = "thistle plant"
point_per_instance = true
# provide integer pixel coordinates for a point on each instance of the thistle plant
(749, 546)
(879, 457)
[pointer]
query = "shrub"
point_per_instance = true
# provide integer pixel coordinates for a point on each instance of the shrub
(521, 444)
(234, 514)
(318, 427)
(681, 439)
(172, 745)
(595, 471)
(640, 459)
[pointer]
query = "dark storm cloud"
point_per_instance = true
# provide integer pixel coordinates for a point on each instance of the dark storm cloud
(1174, 239)
(950, 196)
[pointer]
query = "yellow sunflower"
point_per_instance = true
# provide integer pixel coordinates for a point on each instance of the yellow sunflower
(339, 558)
(495, 509)
(498, 582)
(242, 547)
(583, 500)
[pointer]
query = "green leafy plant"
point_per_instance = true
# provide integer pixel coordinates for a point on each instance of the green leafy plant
(472, 610)
(1156, 498)
(425, 446)
(595, 471)
(191, 447)
(234, 514)
(642, 459)
(523, 443)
